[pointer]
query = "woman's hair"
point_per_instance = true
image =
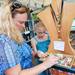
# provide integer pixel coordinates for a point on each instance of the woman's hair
(17, 7)
(7, 25)
(39, 25)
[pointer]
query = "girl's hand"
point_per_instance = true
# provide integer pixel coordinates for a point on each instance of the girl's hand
(42, 54)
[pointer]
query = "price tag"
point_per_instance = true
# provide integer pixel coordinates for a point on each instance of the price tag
(59, 45)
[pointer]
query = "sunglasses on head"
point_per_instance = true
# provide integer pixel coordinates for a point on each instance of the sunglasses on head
(15, 5)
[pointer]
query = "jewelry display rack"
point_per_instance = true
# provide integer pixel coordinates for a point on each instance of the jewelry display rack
(51, 22)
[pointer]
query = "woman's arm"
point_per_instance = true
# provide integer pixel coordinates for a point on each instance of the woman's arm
(33, 71)
(50, 61)
(14, 70)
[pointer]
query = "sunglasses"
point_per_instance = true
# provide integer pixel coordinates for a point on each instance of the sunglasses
(15, 5)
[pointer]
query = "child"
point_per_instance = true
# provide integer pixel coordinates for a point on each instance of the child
(40, 42)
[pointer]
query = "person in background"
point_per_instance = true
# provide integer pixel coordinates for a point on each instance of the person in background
(13, 48)
(40, 43)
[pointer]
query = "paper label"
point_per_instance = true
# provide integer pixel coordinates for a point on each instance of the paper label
(59, 45)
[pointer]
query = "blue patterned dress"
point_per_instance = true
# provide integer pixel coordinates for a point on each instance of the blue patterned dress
(12, 54)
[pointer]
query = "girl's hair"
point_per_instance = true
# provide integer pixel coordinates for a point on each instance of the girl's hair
(39, 25)
(7, 25)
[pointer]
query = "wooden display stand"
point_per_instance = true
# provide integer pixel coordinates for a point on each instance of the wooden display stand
(68, 14)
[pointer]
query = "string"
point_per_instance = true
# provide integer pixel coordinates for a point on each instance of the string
(57, 20)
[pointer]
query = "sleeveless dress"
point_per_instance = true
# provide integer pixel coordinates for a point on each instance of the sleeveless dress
(42, 45)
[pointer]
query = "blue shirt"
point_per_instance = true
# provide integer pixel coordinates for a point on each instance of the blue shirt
(12, 54)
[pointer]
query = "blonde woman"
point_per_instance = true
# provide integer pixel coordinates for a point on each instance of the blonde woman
(13, 48)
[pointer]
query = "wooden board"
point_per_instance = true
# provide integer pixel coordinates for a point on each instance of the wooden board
(68, 15)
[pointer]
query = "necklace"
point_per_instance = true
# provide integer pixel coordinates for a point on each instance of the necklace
(57, 18)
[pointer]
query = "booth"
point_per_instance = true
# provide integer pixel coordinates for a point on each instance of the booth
(58, 20)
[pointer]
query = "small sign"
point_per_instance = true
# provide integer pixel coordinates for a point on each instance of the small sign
(73, 23)
(59, 45)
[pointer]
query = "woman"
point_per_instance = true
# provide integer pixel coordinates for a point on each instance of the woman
(13, 48)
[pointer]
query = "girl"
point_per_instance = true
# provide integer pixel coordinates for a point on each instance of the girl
(40, 42)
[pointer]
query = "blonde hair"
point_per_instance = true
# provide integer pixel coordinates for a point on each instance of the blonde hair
(7, 25)
(39, 25)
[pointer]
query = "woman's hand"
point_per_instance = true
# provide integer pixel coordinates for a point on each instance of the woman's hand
(51, 60)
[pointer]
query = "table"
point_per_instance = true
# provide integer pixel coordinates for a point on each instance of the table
(70, 70)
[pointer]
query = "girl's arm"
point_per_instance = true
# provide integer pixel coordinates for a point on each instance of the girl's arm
(33, 43)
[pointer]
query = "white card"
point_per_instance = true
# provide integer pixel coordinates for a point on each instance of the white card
(73, 23)
(59, 45)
